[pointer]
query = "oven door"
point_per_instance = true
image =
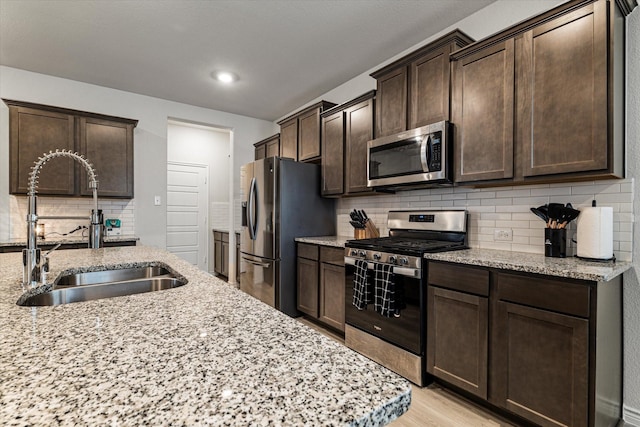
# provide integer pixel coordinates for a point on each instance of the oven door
(414, 156)
(406, 330)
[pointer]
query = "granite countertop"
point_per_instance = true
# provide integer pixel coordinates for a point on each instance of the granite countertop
(54, 240)
(572, 268)
(201, 354)
(334, 241)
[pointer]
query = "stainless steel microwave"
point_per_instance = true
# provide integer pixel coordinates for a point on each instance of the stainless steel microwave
(413, 157)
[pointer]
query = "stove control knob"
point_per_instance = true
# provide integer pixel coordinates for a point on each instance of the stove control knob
(377, 257)
(404, 260)
(362, 253)
(393, 259)
(354, 252)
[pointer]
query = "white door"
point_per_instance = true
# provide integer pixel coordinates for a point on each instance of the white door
(187, 201)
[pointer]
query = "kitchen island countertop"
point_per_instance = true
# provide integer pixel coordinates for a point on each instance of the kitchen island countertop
(201, 354)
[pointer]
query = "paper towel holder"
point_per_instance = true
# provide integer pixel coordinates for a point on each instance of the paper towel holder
(611, 259)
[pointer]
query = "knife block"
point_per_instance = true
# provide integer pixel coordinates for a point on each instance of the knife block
(360, 233)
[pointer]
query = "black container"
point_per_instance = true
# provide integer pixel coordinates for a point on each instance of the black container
(555, 242)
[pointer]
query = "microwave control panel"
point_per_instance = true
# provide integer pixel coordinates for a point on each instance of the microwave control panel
(435, 151)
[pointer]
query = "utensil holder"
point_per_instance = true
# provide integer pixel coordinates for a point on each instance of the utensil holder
(555, 242)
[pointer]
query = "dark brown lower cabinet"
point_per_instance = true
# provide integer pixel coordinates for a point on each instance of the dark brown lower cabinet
(321, 284)
(221, 254)
(307, 285)
(542, 368)
(545, 349)
(458, 326)
(457, 339)
(332, 291)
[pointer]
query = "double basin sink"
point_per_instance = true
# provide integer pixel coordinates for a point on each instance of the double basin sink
(78, 287)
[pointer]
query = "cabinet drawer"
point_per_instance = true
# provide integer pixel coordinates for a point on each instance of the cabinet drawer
(460, 278)
(308, 251)
(225, 237)
(332, 255)
(555, 295)
(217, 235)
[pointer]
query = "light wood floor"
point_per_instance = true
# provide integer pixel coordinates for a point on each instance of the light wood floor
(434, 406)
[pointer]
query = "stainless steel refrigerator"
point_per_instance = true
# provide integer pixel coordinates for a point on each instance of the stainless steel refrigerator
(280, 201)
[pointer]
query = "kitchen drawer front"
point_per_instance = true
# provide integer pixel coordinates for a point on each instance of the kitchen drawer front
(225, 237)
(454, 276)
(217, 235)
(308, 251)
(333, 256)
(550, 294)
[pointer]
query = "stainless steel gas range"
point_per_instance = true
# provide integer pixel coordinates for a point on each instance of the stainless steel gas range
(385, 312)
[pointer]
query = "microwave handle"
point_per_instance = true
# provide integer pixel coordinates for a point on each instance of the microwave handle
(425, 152)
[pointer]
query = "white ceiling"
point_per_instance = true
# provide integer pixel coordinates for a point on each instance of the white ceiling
(286, 52)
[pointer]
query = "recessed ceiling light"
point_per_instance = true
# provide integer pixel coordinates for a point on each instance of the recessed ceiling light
(224, 76)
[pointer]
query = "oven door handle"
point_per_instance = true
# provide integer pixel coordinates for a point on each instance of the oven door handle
(400, 271)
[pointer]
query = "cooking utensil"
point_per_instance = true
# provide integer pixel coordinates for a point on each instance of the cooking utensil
(540, 214)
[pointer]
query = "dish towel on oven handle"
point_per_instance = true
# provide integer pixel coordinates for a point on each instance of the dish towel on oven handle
(361, 287)
(385, 290)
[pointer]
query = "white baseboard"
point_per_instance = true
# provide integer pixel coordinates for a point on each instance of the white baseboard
(631, 416)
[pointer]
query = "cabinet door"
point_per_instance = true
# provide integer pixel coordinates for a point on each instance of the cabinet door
(429, 88)
(225, 259)
(483, 113)
(562, 82)
(309, 135)
(359, 130)
(217, 256)
(33, 133)
(541, 365)
(261, 151)
(308, 286)
(457, 339)
(289, 139)
(333, 154)
(273, 148)
(332, 294)
(391, 108)
(108, 146)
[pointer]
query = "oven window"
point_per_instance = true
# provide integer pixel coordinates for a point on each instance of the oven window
(395, 159)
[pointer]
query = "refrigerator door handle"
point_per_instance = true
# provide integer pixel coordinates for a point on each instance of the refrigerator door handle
(259, 264)
(252, 214)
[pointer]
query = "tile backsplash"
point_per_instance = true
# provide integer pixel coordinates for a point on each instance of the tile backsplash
(68, 206)
(505, 208)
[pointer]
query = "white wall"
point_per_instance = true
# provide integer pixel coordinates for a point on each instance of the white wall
(150, 136)
(492, 19)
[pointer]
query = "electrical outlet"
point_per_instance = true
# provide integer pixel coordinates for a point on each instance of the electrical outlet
(503, 234)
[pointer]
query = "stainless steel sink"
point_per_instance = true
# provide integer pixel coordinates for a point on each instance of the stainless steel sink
(108, 276)
(105, 284)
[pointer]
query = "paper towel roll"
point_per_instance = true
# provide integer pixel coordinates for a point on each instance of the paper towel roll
(595, 233)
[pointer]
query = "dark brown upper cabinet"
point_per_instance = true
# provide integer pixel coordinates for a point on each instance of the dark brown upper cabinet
(106, 142)
(414, 90)
(300, 133)
(346, 129)
(482, 111)
(543, 101)
(268, 147)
